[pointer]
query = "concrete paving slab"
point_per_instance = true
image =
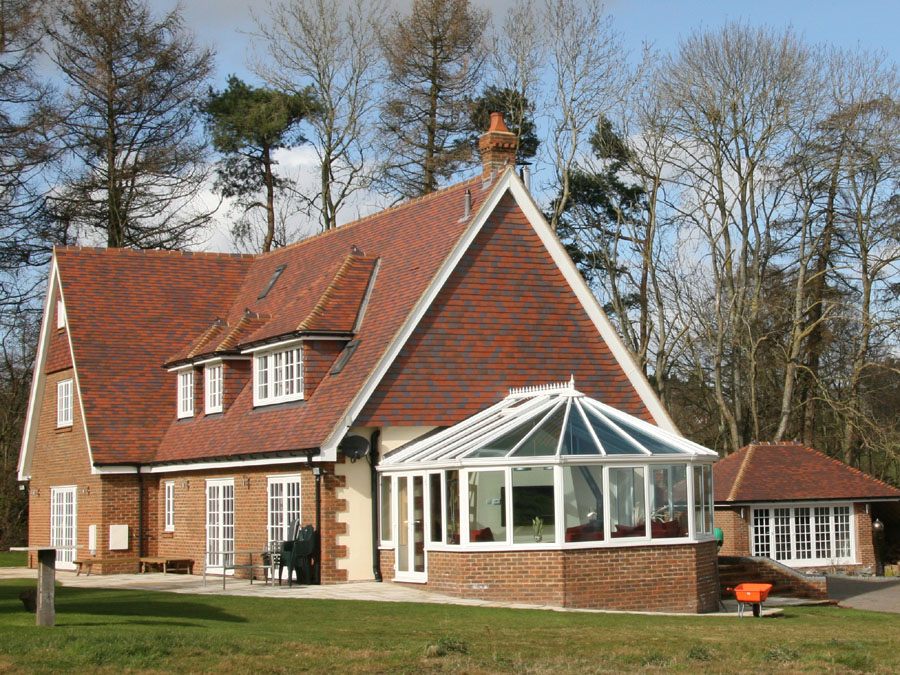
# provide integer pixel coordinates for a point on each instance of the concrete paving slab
(368, 591)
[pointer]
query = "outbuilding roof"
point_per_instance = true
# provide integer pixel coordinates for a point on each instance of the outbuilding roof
(772, 472)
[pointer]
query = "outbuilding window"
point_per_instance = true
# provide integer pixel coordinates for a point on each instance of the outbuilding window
(804, 535)
(170, 506)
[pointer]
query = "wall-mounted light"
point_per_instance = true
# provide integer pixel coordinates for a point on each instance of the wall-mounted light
(86, 490)
(245, 482)
(34, 492)
(185, 485)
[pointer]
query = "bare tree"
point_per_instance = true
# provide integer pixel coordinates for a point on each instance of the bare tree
(589, 76)
(136, 161)
(331, 48)
(434, 56)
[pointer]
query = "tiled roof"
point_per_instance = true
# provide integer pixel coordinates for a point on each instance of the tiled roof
(768, 472)
(321, 289)
(127, 311)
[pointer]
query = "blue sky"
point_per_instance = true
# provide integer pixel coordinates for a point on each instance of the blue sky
(870, 23)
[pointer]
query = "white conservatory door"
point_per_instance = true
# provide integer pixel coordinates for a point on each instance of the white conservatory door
(63, 525)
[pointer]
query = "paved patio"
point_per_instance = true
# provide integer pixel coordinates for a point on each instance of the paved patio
(369, 591)
(878, 594)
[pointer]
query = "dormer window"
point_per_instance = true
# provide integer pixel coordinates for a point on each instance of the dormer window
(277, 376)
(212, 378)
(186, 393)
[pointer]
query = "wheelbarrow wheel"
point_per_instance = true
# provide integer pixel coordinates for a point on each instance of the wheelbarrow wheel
(757, 609)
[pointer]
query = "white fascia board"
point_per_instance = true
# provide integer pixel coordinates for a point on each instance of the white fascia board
(48, 324)
(478, 219)
(589, 302)
(38, 378)
(228, 464)
(272, 346)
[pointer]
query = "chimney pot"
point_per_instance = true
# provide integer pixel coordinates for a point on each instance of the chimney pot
(498, 147)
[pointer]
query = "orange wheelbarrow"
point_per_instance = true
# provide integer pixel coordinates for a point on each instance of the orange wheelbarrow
(751, 594)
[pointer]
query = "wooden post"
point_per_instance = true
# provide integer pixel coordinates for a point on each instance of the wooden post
(46, 588)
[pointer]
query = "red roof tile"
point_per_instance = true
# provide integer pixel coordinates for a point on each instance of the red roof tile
(768, 472)
(127, 311)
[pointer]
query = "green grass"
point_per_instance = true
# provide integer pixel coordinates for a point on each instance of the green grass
(13, 558)
(112, 631)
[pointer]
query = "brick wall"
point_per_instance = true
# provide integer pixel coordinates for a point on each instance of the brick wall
(735, 529)
(188, 540)
(679, 578)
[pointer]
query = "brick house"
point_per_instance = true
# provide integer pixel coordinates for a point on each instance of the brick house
(186, 404)
(800, 507)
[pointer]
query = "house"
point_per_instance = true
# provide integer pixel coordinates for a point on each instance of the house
(788, 502)
(189, 404)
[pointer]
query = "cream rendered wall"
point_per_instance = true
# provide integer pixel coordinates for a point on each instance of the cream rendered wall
(357, 492)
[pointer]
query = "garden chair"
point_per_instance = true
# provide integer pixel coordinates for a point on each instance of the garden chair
(296, 554)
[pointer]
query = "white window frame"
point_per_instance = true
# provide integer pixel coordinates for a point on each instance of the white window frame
(60, 314)
(185, 390)
(169, 505)
(64, 403)
(285, 503)
(64, 524)
(278, 375)
(213, 380)
(758, 546)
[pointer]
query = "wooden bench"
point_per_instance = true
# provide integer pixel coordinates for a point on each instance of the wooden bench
(185, 565)
(88, 563)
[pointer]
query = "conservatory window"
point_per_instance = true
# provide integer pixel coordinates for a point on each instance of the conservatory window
(703, 499)
(435, 501)
(532, 504)
(487, 511)
(278, 376)
(386, 534)
(451, 504)
(583, 502)
(803, 534)
(668, 501)
(627, 504)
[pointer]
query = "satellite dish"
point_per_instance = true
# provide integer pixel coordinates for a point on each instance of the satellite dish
(354, 447)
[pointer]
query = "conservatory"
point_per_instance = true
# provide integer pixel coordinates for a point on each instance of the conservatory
(552, 497)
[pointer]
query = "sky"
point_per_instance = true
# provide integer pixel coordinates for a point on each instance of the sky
(224, 24)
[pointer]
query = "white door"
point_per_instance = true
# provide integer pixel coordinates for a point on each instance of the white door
(410, 553)
(219, 523)
(63, 525)
(284, 508)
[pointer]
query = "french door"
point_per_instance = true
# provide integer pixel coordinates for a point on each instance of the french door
(284, 508)
(410, 504)
(219, 524)
(63, 525)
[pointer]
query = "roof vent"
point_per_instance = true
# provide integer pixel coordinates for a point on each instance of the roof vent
(275, 275)
(467, 209)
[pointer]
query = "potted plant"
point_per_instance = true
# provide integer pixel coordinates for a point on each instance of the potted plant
(538, 525)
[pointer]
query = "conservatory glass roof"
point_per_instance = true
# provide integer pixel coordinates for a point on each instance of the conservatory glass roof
(547, 422)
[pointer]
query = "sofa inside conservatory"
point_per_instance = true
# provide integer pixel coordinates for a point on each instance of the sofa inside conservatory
(550, 497)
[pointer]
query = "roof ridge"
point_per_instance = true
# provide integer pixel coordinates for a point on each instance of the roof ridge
(739, 477)
(155, 252)
(379, 214)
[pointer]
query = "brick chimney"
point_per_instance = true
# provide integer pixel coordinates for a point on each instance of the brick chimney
(498, 148)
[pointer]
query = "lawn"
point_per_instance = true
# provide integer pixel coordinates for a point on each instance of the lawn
(13, 558)
(109, 631)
